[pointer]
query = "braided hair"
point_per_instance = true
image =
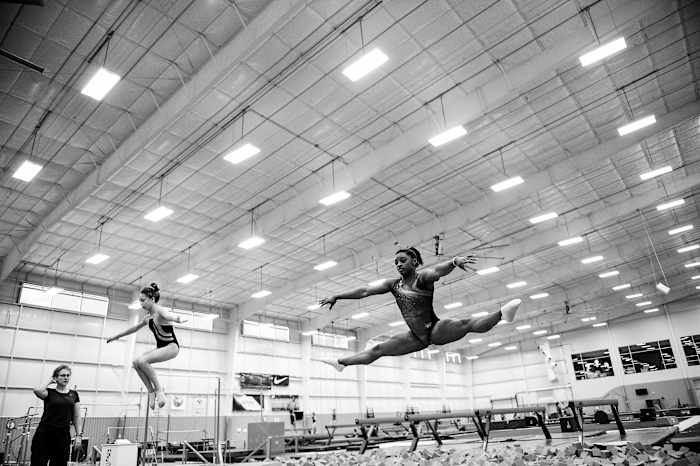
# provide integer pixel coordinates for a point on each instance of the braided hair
(152, 291)
(412, 252)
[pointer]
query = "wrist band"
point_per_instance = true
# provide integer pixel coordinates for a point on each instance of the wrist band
(453, 262)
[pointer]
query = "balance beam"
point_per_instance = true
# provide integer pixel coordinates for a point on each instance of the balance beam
(538, 411)
(415, 419)
(577, 409)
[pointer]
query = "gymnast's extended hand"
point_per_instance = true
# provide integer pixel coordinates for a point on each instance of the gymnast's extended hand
(330, 301)
(463, 262)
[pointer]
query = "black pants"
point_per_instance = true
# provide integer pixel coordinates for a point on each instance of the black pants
(50, 446)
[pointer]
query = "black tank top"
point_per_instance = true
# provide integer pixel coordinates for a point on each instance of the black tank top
(417, 310)
(164, 334)
(58, 410)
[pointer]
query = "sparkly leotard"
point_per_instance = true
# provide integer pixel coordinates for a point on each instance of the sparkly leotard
(417, 310)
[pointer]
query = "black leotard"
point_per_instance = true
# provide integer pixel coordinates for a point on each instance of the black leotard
(417, 309)
(164, 334)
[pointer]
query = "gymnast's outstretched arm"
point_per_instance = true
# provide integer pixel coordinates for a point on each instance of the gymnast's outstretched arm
(358, 293)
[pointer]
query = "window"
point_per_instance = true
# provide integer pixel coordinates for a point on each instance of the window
(265, 330)
(691, 348)
(330, 339)
(72, 301)
(195, 320)
(592, 364)
(647, 357)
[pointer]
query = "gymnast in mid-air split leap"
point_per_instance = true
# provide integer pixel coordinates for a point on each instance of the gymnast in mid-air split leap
(167, 347)
(414, 295)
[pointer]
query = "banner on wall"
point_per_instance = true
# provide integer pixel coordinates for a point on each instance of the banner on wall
(262, 381)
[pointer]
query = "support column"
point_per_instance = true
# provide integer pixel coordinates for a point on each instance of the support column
(406, 379)
(442, 378)
(231, 382)
(306, 367)
(362, 379)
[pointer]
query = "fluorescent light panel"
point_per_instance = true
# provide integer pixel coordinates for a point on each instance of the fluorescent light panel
(242, 153)
(655, 173)
(600, 324)
(670, 204)
(603, 51)
(516, 284)
(487, 270)
(448, 135)
(506, 184)
(187, 278)
(682, 229)
(652, 310)
(692, 264)
(553, 337)
(325, 265)
(252, 242)
(624, 286)
(365, 64)
(97, 258)
(495, 344)
(539, 332)
(335, 198)
(523, 327)
(570, 241)
(544, 217)
(261, 294)
(313, 307)
(361, 315)
(308, 333)
(637, 125)
(510, 348)
(612, 273)
(27, 171)
(471, 358)
(454, 305)
(100, 84)
(539, 295)
(590, 260)
(643, 303)
(480, 314)
(689, 248)
(396, 324)
(475, 340)
(376, 282)
(635, 295)
(695, 277)
(158, 214)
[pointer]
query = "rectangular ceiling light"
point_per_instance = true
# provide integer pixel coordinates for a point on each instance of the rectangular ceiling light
(590, 260)
(633, 296)
(97, 258)
(516, 284)
(27, 171)
(510, 348)
(682, 229)
(553, 337)
(261, 294)
(652, 310)
(308, 333)
(544, 217)
(158, 214)
(539, 332)
(505, 184)
(361, 315)
(471, 358)
(637, 125)
(588, 319)
(376, 282)
(612, 273)
(670, 204)
(454, 305)
(396, 324)
(313, 307)
(487, 270)
(242, 153)
(600, 324)
(692, 264)
(476, 340)
(433, 351)
(187, 278)
(325, 265)
(695, 277)
(523, 327)
(335, 198)
(689, 248)
(570, 241)
(603, 51)
(252, 242)
(448, 135)
(539, 295)
(495, 344)
(54, 290)
(365, 64)
(621, 287)
(100, 84)
(643, 303)
(655, 173)
(480, 314)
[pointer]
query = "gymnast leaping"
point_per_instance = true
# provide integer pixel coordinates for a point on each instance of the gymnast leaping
(414, 295)
(167, 347)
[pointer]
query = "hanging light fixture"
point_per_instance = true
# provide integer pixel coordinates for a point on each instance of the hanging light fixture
(662, 286)
(99, 256)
